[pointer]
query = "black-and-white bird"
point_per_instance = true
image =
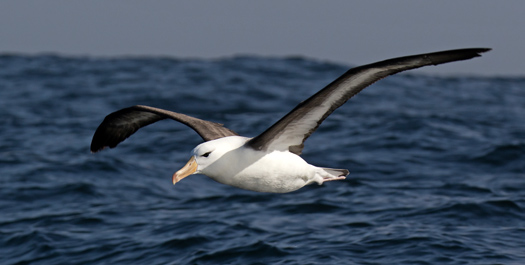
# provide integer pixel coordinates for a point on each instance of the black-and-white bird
(269, 162)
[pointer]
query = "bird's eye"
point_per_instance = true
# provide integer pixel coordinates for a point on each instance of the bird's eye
(206, 154)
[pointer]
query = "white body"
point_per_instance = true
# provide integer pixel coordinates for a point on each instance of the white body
(231, 163)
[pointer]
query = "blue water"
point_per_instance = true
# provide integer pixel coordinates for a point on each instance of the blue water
(436, 167)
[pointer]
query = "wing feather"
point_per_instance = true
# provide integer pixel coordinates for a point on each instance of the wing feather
(290, 132)
(119, 125)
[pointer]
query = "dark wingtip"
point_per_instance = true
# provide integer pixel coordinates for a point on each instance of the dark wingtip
(481, 50)
(98, 142)
(475, 52)
(437, 58)
(95, 146)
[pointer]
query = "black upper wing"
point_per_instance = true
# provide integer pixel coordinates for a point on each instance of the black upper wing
(119, 125)
(290, 132)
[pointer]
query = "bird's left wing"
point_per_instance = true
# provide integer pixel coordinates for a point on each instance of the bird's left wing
(292, 130)
(121, 124)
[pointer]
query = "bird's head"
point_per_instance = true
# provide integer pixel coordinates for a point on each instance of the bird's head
(206, 154)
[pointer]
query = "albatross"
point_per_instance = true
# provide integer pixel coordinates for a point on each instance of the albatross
(269, 162)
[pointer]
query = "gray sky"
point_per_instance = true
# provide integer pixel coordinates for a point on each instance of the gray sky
(349, 32)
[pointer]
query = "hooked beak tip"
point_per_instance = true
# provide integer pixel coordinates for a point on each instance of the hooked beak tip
(188, 169)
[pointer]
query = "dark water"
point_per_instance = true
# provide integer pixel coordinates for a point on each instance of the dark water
(437, 167)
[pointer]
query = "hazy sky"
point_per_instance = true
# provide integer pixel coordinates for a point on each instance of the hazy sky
(349, 32)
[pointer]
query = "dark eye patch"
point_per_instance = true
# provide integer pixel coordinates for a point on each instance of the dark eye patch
(206, 154)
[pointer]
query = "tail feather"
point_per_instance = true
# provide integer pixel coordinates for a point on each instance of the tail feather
(336, 172)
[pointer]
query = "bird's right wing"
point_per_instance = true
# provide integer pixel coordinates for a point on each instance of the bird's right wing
(121, 124)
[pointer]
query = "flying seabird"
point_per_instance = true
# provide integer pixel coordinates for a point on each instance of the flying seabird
(269, 162)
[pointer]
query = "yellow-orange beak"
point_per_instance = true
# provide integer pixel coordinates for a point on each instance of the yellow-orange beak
(185, 171)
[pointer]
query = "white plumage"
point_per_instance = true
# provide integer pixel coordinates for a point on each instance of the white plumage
(227, 160)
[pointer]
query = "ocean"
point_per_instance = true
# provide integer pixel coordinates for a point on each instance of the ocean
(437, 166)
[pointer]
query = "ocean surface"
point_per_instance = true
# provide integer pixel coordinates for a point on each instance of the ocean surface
(437, 166)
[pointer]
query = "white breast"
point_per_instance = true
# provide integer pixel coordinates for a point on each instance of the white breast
(277, 171)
